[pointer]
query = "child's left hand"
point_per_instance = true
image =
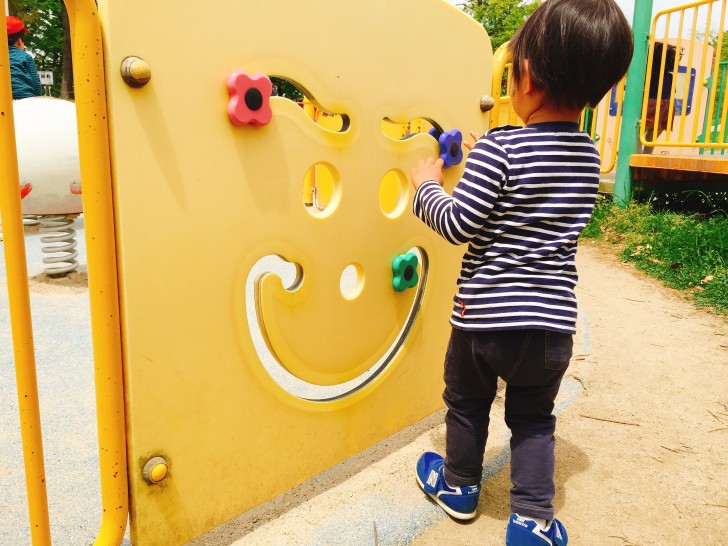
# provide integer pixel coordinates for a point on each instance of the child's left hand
(426, 170)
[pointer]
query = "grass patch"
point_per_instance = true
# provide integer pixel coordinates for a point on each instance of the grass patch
(685, 250)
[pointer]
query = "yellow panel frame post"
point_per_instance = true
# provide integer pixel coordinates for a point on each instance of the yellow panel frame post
(88, 71)
(501, 58)
(20, 317)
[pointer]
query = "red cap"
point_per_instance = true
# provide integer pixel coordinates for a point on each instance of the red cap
(14, 25)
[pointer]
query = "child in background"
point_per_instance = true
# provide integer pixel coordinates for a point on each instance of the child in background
(525, 195)
(23, 73)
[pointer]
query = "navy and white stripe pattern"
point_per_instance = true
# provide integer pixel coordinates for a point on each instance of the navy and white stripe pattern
(525, 195)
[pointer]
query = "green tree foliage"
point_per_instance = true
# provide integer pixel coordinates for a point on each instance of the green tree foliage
(712, 40)
(284, 88)
(501, 18)
(44, 20)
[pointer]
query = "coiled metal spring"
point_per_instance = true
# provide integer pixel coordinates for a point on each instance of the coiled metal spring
(62, 239)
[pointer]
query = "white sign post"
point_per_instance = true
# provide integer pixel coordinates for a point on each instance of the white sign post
(46, 77)
(46, 80)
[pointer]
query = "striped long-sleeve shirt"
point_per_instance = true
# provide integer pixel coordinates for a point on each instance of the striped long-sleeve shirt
(525, 195)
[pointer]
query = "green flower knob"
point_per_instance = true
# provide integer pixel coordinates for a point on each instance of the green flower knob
(404, 269)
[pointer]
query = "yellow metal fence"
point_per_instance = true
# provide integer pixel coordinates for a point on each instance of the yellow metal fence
(683, 105)
(603, 123)
(20, 317)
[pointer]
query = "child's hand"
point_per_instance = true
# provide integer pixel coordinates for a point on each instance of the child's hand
(427, 169)
(470, 145)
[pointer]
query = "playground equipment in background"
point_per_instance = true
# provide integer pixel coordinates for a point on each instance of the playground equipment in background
(684, 92)
(676, 103)
(715, 125)
(690, 87)
(50, 179)
(48, 164)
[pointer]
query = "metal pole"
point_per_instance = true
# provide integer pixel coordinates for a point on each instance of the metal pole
(20, 317)
(632, 110)
(98, 212)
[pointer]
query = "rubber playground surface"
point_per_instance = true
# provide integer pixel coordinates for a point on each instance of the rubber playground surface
(641, 439)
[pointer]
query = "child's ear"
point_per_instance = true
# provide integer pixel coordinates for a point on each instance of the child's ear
(526, 81)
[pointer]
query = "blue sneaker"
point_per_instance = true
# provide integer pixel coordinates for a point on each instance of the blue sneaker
(459, 502)
(525, 532)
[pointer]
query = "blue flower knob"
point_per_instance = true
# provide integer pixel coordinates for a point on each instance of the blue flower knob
(451, 147)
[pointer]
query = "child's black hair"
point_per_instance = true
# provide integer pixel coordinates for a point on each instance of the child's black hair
(12, 38)
(576, 50)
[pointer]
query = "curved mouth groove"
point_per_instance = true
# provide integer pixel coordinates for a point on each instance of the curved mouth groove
(291, 276)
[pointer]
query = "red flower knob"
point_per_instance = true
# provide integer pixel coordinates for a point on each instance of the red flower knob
(249, 99)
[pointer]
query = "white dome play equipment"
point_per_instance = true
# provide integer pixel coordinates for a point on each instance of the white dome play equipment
(50, 178)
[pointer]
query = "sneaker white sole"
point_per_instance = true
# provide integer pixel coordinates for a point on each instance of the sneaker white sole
(448, 510)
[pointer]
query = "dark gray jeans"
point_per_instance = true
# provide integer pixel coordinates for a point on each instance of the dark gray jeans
(532, 363)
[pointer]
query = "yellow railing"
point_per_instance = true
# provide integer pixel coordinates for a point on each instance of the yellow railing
(94, 153)
(20, 317)
(102, 278)
(603, 123)
(683, 102)
(502, 113)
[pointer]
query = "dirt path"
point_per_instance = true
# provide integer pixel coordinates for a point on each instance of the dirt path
(642, 452)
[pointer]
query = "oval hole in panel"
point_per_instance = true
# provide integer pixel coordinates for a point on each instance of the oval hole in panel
(393, 194)
(321, 190)
(352, 281)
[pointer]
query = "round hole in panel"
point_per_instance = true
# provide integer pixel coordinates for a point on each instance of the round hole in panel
(352, 281)
(393, 194)
(321, 190)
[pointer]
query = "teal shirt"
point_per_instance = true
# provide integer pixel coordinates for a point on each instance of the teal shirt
(23, 74)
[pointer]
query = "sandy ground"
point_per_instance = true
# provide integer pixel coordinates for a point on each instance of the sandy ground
(640, 444)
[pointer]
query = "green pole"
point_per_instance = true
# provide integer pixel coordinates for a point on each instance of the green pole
(632, 108)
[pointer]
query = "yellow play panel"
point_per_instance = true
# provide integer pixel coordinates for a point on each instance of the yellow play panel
(263, 339)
